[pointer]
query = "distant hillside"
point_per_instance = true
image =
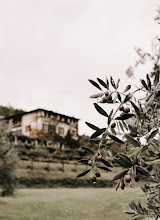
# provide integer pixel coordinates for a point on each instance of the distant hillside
(8, 111)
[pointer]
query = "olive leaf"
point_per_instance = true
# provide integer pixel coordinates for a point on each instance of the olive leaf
(107, 83)
(98, 133)
(136, 109)
(132, 140)
(109, 117)
(144, 84)
(148, 81)
(88, 150)
(92, 126)
(125, 159)
(104, 168)
(115, 139)
(127, 88)
(142, 171)
(121, 126)
(102, 83)
(134, 151)
(153, 134)
(120, 175)
(112, 82)
(125, 116)
(96, 95)
(106, 163)
(121, 163)
(84, 173)
(95, 84)
(127, 97)
(117, 83)
(119, 96)
(100, 110)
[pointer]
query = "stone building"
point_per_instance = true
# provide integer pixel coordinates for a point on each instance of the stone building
(38, 122)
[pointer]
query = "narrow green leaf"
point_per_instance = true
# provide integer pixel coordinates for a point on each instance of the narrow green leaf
(96, 95)
(132, 140)
(92, 126)
(98, 133)
(156, 148)
(127, 98)
(120, 175)
(142, 171)
(115, 139)
(103, 168)
(125, 159)
(134, 151)
(100, 110)
(95, 84)
(121, 126)
(136, 109)
(127, 88)
(107, 83)
(121, 163)
(84, 173)
(106, 163)
(149, 82)
(144, 84)
(117, 83)
(102, 83)
(112, 82)
(152, 134)
(88, 150)
(119, 97)
(110, 116)
(125, 116)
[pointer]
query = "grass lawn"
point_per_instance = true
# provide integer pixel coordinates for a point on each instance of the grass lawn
(68, 204)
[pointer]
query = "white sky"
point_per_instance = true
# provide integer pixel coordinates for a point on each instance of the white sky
(50, 48)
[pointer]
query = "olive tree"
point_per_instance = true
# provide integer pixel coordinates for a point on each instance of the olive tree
(133, 122)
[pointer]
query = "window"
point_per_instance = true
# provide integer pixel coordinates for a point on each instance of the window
(45, 128)
(28, 128)
(60, 131)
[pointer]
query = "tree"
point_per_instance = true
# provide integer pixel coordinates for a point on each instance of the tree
(8, 161)
(134, 123)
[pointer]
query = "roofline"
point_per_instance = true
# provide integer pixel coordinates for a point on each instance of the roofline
(36, 110)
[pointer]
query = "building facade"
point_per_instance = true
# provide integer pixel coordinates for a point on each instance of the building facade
(38, 122)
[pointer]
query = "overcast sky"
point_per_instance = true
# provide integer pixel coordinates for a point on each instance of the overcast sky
(50, 48)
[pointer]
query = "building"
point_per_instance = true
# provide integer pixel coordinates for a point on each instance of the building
(38, 122)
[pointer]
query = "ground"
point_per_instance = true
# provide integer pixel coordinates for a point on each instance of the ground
(68, 204)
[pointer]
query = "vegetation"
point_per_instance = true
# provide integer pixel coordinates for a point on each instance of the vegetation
(133, 122)
(8, 160)
(69, 204)
(8, 111)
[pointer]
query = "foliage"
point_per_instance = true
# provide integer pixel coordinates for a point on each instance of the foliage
(70, 142)
(134, 123)
(8, 111)
(8, 160)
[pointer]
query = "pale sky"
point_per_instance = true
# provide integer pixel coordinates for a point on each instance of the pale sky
(50, 48)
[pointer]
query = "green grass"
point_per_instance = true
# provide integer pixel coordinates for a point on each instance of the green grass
(68, 204)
